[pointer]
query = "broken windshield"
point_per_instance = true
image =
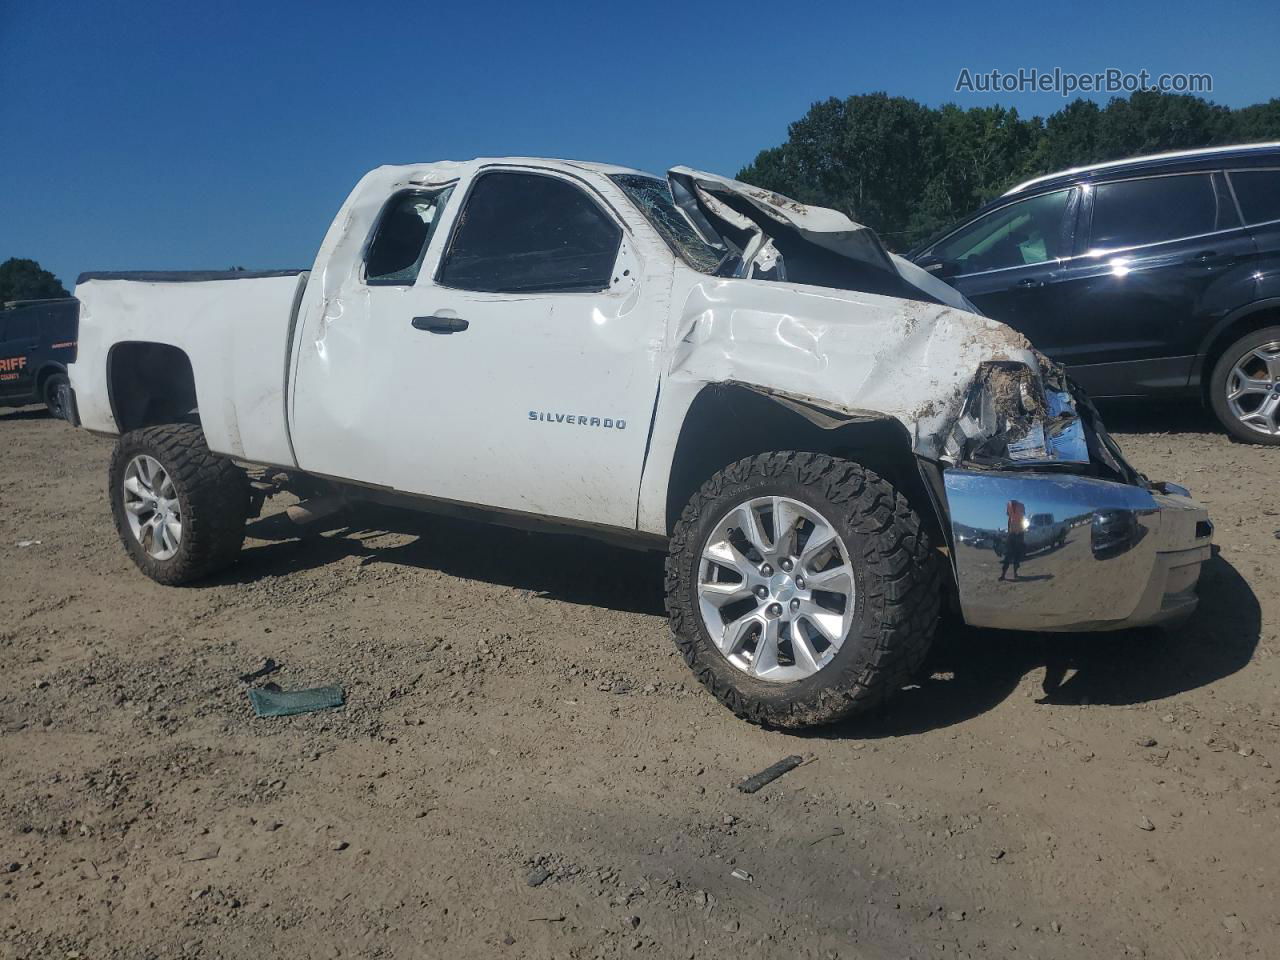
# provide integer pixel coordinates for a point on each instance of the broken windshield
(653, 196)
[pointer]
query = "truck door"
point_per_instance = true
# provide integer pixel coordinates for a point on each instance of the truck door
(514, 353)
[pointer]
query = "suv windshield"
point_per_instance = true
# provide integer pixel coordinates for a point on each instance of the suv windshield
(653, 196)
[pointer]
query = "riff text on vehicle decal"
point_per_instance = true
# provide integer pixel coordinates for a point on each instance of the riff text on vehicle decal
(9, 367)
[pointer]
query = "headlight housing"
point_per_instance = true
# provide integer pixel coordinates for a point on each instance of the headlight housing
(1014, 414)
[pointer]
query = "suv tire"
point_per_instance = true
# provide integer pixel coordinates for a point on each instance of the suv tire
(880, 559)
(179, 508)
(54, 395)
(1253, 357)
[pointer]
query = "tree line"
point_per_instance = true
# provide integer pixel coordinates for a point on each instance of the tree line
(909, 170)
(26, 280)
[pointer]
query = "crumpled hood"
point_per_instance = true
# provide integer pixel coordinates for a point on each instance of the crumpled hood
(821, 226)
(861, 354)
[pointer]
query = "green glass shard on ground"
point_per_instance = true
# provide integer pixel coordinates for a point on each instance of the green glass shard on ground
(284, 703)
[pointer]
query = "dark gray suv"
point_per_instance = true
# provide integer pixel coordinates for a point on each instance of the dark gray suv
(37, 341)
(1155, 276)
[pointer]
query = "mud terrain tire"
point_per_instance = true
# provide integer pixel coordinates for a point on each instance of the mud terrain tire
(896, 573)
(211, 491)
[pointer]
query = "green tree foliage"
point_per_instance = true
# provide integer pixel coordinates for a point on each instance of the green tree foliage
(27, 280)
(909, 170)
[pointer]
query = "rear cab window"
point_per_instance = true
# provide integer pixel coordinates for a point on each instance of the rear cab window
(401, 236)
(530, 233)
(1258, 193)
(1135, 213)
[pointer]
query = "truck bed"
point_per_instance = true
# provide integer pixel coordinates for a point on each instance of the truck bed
(183, 276)
(234, 327)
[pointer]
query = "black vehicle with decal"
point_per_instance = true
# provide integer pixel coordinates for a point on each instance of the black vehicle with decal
(1149, 277)
(37, 341)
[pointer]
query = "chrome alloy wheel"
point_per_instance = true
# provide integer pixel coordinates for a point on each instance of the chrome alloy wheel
(151, 505)
(776, 589)
(1253, 389)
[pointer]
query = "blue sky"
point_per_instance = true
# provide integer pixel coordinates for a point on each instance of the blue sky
(181, 135)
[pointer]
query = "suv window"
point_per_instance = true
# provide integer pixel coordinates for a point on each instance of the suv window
(402, 235)
(1132, 213)
(18, 324)
(1258, 192)
(526, 232)
(1026, 232)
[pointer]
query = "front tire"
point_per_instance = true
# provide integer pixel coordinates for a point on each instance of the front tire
(801, 589)
(179, 508)
(1244, 389)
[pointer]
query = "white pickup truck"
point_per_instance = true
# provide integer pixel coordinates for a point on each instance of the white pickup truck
(828, 441)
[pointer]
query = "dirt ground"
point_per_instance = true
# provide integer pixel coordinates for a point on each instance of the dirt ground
(524, 767)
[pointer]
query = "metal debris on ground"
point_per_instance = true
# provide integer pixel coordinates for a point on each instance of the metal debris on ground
(202, 851)
(271, 701)
(770, 774)
(269, 666)
(829, 835)
(741, 874)
(28, 543)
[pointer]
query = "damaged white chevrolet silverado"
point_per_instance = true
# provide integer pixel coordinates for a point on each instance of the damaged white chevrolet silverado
(829, 442)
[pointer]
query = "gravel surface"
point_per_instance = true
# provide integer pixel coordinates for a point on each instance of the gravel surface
(525, 768)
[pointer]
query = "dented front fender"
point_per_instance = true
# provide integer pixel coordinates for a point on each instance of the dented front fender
(859, 354)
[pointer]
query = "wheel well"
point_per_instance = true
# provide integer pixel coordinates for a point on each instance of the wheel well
(47, 371)
(1266, 317)
(727, 422)
(150, 383)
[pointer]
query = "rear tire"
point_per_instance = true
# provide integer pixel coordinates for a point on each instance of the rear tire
(1247, 411)
(889, 612)
(169, 473)
(55, 395)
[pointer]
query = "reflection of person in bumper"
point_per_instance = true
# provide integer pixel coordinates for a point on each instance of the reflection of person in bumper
(1015, 542)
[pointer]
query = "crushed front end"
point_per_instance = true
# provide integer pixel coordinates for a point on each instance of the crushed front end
(1051, 528)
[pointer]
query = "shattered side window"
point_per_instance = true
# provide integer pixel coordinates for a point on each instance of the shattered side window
(653, 197)
(402, 236)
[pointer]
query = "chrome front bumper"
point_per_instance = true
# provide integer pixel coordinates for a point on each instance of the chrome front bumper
(1094, 555)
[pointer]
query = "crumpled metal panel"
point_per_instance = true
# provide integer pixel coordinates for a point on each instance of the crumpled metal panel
(858, 353)
(819, 225)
